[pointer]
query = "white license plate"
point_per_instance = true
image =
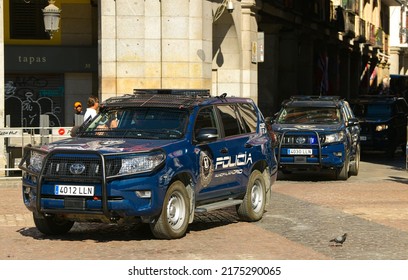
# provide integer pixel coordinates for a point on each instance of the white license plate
(74, 190)
(300, 151)
(363, 138)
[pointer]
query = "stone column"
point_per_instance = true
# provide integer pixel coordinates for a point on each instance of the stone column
(154, 44)
(395, 53)
(248, 38)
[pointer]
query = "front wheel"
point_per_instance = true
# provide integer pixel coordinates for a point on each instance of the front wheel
(173, 220)
(343, 173)
(52, 225)
(355, 165)
(253, 206)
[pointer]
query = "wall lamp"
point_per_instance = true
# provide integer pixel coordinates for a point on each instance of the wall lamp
(226, 4)
(51, 18)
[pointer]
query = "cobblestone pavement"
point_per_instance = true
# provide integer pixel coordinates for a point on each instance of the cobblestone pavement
(306, 212)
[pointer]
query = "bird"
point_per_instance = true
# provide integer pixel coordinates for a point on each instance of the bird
(339, 240)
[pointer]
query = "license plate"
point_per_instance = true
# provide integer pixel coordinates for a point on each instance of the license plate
(300, 151)
(363, 138)
(74, 190)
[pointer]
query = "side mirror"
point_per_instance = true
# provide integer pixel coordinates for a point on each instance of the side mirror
(207, 134)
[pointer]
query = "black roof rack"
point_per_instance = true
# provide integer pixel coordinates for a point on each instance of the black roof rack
(159, 98)
(187, 92)
(315, 97)
(377, 96)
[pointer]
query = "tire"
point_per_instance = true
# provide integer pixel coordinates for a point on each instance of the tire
(173, 220)
(355, 165)
(343, 173)
(52, 225)
(253, 206)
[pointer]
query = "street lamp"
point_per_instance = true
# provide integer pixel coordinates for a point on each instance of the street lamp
(51, 18)
(226, 4)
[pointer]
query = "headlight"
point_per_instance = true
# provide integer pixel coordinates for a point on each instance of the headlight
(381, 127)
(141, 163)
(335, 137)
(36, 162)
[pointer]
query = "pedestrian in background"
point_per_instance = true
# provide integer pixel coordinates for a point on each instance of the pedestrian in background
(91, 111)
(78, 111)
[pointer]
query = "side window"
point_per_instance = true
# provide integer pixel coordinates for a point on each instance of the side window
(249, 116)
(230, 121)
(205, 119)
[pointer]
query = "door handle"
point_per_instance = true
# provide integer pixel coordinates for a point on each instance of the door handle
(224, 151)
(247, 145)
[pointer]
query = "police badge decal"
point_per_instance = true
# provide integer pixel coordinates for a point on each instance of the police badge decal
(206, 169)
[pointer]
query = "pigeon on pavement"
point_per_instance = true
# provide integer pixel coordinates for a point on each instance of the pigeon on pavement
(339, 240)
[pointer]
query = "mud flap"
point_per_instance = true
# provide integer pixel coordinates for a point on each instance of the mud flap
(191, 196)
(268, 185)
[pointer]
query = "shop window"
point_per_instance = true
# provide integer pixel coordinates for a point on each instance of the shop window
(26, 19)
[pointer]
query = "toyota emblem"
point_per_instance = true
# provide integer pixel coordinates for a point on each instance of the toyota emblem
(300, 140)
(77, 168)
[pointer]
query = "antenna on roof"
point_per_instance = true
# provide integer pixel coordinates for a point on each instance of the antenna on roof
(222, 96)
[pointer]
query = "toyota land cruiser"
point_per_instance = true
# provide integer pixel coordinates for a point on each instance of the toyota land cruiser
(318, 133)
(157, 157)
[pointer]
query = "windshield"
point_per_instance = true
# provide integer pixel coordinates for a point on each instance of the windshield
(309, 115)
(146, 123)
(372, 110)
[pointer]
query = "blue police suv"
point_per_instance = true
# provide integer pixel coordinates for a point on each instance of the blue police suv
(156, 157)
(317, 133)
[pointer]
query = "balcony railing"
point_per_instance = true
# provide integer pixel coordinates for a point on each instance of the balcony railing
(349, 24)
(371, 34)
(360, 30)
(351, 5)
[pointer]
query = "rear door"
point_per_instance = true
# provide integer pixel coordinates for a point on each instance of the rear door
(225, 162)
(236, 163)
(212, 181)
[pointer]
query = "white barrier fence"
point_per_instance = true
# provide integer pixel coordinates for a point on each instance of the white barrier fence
(16, 138)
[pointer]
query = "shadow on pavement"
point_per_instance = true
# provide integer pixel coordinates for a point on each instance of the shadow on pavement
(397, 162)
(101, 233)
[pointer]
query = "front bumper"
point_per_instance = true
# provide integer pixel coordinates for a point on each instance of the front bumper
(311, 155)
(113, 197)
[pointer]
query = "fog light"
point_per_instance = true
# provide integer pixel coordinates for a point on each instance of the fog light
(144, 194)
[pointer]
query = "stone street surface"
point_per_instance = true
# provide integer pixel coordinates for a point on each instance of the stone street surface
(306, 212)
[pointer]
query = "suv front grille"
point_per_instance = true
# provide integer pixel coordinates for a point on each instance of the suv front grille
(75, 166)
(301, 139)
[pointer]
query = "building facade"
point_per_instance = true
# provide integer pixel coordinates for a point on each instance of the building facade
(265, 50)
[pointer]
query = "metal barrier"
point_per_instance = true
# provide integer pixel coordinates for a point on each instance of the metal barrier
(16, 138)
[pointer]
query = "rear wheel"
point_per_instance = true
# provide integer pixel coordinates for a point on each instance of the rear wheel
(173, 220)
(52, 225)
(253, 206)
